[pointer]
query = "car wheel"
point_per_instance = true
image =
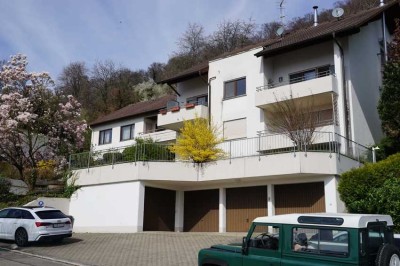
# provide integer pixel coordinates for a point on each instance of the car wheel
(21, 237)
(388, 255)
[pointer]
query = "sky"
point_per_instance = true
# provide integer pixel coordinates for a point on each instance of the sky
(131, 33)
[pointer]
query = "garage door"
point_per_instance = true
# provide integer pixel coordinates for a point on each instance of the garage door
(201, 211)
(243, 205)
(299, 198)
(159, 209)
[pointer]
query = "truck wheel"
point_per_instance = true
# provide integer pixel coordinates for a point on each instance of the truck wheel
(388, 255)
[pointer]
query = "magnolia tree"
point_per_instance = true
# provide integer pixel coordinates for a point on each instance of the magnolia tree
(36, 124)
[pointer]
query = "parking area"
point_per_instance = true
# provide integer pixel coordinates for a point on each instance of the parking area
(147, 248)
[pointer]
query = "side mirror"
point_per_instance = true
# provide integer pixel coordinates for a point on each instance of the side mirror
(245, 247)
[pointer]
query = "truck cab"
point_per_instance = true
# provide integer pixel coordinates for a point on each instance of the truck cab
(310, 239)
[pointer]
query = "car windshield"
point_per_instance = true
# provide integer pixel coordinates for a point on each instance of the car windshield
(52, 214)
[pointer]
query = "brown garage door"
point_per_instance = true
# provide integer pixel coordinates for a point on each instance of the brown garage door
(159, 209)
(299, 198)
(201, 211)
(243, 205)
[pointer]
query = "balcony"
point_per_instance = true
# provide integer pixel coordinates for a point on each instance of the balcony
(159, 135)
(173, 117)
(322, 84)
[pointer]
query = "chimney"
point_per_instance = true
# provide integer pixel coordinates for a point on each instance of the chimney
(316, 15)
(382, 3)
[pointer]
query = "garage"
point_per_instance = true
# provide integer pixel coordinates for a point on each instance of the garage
(159, 209)
(299, 198)
(201, 211)
(243, 205)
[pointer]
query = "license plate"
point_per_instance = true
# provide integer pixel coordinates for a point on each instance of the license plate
(58, 225)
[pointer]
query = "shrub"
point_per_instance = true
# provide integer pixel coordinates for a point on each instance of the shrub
(198, 141)
(374, 188)
(5, 186)
(147, 150)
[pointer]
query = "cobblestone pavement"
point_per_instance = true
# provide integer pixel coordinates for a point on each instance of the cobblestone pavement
(139, 249)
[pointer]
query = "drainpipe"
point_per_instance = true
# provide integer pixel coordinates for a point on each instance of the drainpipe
(346, 111)
(382, 3)
(209, 99)
(315, 15)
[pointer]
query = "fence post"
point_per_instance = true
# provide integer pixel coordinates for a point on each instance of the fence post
(136, 148)
(112, 158)
(144, 153)
(88, 162)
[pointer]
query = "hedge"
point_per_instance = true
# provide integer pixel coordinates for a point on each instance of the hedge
(373, 188)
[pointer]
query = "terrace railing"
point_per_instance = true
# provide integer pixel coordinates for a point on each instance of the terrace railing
(264, 144)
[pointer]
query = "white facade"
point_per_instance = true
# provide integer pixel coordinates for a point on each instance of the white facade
(350, 80)
(139, 132)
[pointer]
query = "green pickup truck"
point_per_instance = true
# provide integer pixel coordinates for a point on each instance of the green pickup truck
(310, 239)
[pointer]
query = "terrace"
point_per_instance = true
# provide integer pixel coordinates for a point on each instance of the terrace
(263, 145)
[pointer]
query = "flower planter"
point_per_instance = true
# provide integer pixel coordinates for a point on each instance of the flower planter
(163, 111)
(189, 105)
(175, 109)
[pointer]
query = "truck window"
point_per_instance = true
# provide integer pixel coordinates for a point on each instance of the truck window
(265, 237)
(321, 241)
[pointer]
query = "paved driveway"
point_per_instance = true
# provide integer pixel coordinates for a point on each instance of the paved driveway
(141, 249)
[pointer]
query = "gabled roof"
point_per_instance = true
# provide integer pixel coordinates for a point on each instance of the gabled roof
(324, 31)
(192, 72)
(312, 35)
(135, 109)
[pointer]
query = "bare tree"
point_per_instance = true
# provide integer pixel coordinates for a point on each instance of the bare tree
(233, 34)
(268, 30)
(102, 81)
(294, 118)
(156, 71)
(193, 40)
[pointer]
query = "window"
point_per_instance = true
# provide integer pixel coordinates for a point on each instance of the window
(265, 237)
(105, 136)
(235, 129)
(198, 100)
(48, 215)
(3, 213)
(14, 214)
(27, 215)
(321, 241)
(235, 88)
(323, 117)
(310, 74)
(127, 132)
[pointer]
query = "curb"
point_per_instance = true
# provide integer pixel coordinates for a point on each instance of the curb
(44, 257)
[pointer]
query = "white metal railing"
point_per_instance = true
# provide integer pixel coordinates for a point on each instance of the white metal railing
(272, 85)
(262, 145)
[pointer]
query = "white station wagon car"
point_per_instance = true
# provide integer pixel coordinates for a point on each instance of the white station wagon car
(29, 224)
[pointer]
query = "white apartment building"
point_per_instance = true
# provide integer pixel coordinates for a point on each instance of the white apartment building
(335, 64)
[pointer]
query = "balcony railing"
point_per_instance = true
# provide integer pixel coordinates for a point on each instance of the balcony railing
(263, 145)
(272, 85)
(182, 105)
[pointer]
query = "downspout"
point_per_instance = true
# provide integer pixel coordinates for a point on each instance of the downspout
(209, 99)
(346, 111)
(384, 32)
